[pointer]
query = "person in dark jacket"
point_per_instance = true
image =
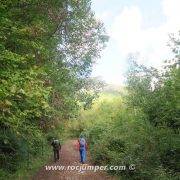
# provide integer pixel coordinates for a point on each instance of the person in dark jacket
(56, 148)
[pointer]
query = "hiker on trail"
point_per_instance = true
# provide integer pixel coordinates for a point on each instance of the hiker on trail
(56, 148)
(82, 149)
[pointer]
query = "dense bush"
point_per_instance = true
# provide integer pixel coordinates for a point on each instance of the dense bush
(120, 135)
(142, 126)
(141, 130)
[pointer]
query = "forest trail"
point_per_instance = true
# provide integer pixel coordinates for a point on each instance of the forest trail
(69, 156)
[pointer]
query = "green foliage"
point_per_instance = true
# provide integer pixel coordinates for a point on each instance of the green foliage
(47, 49)
(28, 168)
(140, 129)
(156, 93)
(118, 135)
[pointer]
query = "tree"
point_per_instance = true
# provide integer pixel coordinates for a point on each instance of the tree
(156, 92)
(46, 49)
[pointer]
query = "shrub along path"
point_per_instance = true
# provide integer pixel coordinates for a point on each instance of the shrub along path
(69, 156)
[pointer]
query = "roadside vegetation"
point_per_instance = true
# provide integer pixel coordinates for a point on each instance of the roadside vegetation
(47, 49)
(139, 126)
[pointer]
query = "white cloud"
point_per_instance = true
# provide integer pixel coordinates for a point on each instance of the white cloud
(171, 11)
(104, 15)
(127, 31)
(171, 8)
(128, 35)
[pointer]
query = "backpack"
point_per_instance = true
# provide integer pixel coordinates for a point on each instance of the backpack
(82, 143)
(56, 144)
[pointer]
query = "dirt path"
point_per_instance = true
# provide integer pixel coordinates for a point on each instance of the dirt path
(69, 156)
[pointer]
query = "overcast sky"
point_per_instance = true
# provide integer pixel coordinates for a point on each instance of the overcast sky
(134, 26)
